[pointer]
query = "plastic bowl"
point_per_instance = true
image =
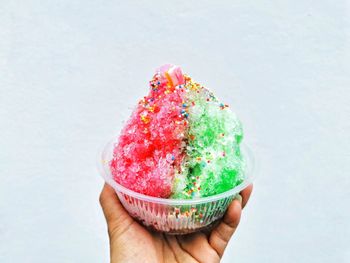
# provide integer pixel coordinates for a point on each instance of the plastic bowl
(174, 216)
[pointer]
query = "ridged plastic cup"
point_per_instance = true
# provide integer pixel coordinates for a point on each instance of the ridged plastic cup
(174, 216)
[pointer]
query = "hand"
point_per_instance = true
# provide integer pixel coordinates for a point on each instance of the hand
(131, 242)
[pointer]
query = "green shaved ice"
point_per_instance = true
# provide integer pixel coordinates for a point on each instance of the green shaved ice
(213, 163)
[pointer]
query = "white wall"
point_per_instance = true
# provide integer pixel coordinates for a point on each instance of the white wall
(70, 71)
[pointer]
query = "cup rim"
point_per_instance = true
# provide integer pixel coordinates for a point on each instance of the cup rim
(107, 154)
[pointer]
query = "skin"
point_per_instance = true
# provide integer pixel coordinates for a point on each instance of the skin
(131, 242)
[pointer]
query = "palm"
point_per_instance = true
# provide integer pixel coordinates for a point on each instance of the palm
(166, 248)
(131, 242)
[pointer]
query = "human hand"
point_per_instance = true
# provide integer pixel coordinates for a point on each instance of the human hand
(132, 242)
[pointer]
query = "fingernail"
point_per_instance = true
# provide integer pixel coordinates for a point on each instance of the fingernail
(239, 198)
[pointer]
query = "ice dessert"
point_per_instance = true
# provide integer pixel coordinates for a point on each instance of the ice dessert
(180, 142)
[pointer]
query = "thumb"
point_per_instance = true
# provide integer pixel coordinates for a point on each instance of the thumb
(113, 210)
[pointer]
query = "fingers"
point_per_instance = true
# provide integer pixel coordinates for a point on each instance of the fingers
(114, 212)
(246, 194)
(109, 202)
(221, 234)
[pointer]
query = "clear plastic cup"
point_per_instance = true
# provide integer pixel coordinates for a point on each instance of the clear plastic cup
(174, 216)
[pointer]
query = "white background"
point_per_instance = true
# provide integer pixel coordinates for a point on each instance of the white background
(70, 72)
